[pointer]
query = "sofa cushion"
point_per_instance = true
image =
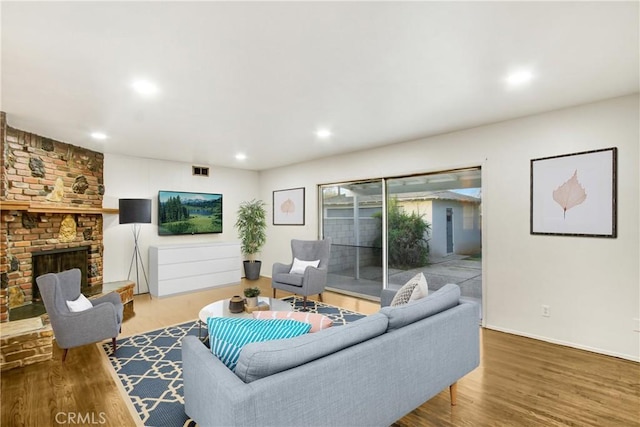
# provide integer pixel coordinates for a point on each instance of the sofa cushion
(227, 335)
(259, 360)
(416, 285)
(443, 299)
(317, 321)
(289, 279)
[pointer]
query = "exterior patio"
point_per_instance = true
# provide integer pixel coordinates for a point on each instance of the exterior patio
(462, 270)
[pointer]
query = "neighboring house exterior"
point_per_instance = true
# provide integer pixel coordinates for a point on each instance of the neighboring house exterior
(456, 225)
(454, 218)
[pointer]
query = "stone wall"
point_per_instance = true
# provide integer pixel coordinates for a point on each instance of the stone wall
(53, 176)
(39, 169)
(25, 347)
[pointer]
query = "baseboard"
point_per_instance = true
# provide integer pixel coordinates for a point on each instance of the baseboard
(566, 343)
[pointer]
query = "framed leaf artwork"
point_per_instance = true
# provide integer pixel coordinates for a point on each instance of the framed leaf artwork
(575, 194)
(288, 207)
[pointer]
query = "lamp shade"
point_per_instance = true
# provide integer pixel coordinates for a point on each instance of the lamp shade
(136, 211)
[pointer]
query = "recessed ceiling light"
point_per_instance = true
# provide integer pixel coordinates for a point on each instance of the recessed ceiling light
(241, 156)
(323, 133)
(519, 77)
(98, 135)
(144, 87)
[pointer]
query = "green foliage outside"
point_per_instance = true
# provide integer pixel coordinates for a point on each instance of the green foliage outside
(408, 247)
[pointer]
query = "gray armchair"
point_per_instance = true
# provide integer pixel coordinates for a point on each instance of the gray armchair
(314, 279)
(73, 329)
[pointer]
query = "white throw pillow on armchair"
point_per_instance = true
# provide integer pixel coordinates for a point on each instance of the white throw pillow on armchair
(79, 304)
(299, 266)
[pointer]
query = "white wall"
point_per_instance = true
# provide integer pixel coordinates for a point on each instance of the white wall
(133, 177)
(591, 284)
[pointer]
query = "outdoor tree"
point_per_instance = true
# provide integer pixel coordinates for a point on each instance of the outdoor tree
(408, 245)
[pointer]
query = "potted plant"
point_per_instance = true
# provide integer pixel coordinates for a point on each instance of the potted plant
(252, 230)
(251, 295)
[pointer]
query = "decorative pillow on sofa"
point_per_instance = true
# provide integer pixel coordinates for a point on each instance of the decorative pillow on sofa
(79, 304)
(227, 335)
(417, 284)
(443, 299)
(317, 321)
(421, 290)
(299, 266)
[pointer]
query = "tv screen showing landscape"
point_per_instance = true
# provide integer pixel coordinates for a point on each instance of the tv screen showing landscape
(189, 213)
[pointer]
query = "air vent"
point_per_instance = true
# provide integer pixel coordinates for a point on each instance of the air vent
(200, 170)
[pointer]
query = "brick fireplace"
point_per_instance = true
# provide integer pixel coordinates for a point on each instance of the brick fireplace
(57, 260)
(50, 201)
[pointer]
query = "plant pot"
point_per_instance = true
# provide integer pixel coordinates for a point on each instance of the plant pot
(236, 304)
(252, 301)
(252, 270)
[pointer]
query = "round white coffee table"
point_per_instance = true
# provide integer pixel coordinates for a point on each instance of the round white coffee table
(221, 309)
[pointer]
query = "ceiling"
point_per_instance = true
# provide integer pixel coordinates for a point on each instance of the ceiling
(262, 77)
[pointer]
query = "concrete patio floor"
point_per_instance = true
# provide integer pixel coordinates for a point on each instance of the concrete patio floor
(462, 270)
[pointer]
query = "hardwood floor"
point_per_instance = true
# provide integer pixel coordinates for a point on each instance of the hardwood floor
(520, 382)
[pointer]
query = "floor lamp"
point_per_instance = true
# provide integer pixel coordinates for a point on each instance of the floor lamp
(136, 212)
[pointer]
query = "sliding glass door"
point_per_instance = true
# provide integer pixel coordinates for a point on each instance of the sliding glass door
(352, 217)
(387, 230)
(434, 228)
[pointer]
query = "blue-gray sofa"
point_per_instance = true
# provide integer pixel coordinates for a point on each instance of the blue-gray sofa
(370, 372)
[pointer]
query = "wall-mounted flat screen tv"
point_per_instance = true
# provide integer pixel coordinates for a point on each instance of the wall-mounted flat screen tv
(180, 212)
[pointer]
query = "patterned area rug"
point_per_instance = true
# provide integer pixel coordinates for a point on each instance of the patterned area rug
(149, 366)
(340, 316)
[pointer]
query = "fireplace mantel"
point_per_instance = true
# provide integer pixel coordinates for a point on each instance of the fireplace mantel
(35, 207)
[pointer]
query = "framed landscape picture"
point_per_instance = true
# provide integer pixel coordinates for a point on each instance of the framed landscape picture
(288, 207)
(181, 212)
(575, 194)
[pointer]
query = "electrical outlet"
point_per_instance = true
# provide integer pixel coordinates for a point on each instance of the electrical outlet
(546, 311)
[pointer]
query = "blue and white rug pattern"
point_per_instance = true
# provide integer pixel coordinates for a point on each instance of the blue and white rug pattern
(149, 366)
(340, 316)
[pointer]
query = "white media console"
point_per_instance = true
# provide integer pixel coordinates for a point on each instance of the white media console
(176, 269)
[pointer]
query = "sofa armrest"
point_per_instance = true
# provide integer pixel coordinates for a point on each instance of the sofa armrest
(213, 394)
(386, 296)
